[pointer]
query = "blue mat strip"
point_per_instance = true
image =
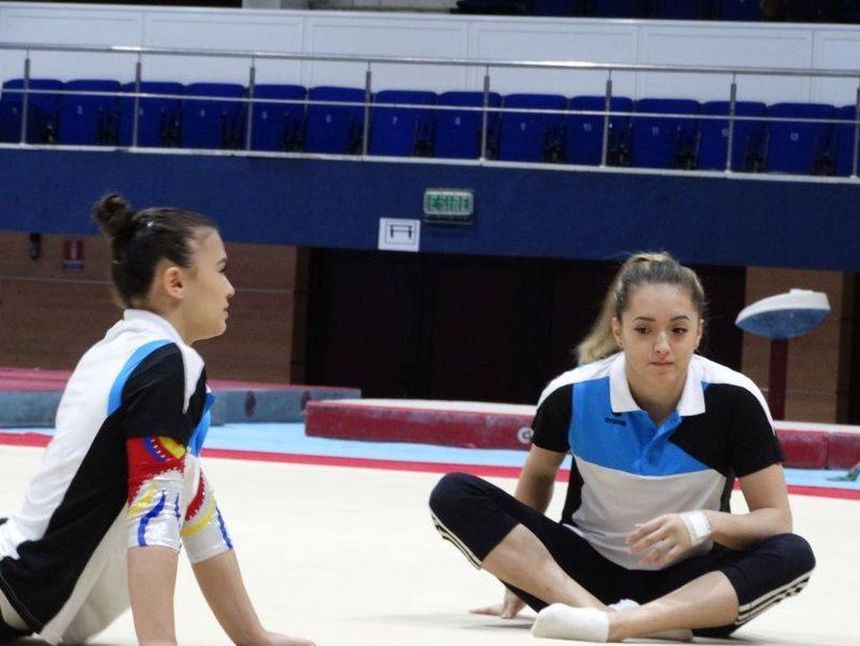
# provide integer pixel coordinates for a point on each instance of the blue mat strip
(291, 438)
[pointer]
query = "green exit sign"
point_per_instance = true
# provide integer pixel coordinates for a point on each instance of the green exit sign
(446, 205)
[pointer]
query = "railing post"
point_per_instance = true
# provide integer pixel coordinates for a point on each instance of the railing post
(25, 98)
(731, 142)
(135, 121)
(252, 81)
(484, 115)
(368, 95)
(856, 135)
(607, 107)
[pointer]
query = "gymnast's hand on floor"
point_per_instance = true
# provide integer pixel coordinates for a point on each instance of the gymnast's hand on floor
(274, 639)
(508, 609)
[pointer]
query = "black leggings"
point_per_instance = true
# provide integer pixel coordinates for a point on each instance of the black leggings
(475, 516)
(9, 634)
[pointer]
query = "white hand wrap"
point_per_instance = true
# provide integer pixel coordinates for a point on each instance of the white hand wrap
(697, 526)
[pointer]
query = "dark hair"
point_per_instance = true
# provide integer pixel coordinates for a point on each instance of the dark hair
(140, 239)
(645, 268)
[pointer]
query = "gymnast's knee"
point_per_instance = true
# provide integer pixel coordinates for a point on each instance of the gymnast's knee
(452, 493)
(793, 552)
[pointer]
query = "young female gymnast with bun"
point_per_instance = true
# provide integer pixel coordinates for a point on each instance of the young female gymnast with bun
(647, 544)
(120, 487)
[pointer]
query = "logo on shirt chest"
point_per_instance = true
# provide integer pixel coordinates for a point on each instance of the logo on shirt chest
(615, 419)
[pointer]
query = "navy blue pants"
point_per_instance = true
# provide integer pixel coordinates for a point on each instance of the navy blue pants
(475, 516)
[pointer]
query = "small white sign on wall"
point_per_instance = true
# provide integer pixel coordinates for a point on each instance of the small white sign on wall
(399, 235)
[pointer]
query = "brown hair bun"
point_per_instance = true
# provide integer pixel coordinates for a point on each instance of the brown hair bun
(113, 213)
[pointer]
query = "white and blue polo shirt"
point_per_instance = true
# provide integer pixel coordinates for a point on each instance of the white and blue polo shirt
(627, 470)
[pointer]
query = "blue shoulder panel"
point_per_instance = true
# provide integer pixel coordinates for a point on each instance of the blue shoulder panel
(115, 398)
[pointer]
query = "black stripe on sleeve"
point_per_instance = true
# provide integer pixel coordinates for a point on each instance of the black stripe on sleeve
(753, 443)
(552, 421)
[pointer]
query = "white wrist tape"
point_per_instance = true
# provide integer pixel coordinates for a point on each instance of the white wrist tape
(697, 526)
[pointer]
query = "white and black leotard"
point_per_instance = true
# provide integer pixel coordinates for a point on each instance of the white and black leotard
(122, 470)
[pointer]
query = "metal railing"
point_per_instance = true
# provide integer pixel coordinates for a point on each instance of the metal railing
(368, 62)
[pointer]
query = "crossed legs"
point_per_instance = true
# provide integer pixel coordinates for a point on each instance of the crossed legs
(536, 557)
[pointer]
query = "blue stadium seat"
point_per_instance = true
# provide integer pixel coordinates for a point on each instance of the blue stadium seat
(532, 137)
(663, 142)
(43, 107)
(796, 146)
(278, 126)
(11, 109)
(457, 133)
(159, 118)
(747, 137)
(583, 133)
(558, 7)
(494, 7)
(88, 119)
(619, 8)
(739, 10)
(845, 134)
(681, 9)
(333, 128)
(214, 122)
(402, 132)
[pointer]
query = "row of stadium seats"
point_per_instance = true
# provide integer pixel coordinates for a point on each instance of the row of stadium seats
(648, 133)
(660, 9)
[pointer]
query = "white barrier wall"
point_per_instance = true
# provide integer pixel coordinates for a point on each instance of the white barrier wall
(438, 35)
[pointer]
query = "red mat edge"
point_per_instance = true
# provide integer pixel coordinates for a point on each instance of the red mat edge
(37, 439)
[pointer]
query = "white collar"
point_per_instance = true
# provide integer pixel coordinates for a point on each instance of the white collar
(151, 319)
(692, 400)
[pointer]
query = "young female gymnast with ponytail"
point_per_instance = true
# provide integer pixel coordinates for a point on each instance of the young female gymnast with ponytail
(120, 487)
(647, 544)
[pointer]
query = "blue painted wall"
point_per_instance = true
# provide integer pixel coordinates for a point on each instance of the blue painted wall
(522, 212)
